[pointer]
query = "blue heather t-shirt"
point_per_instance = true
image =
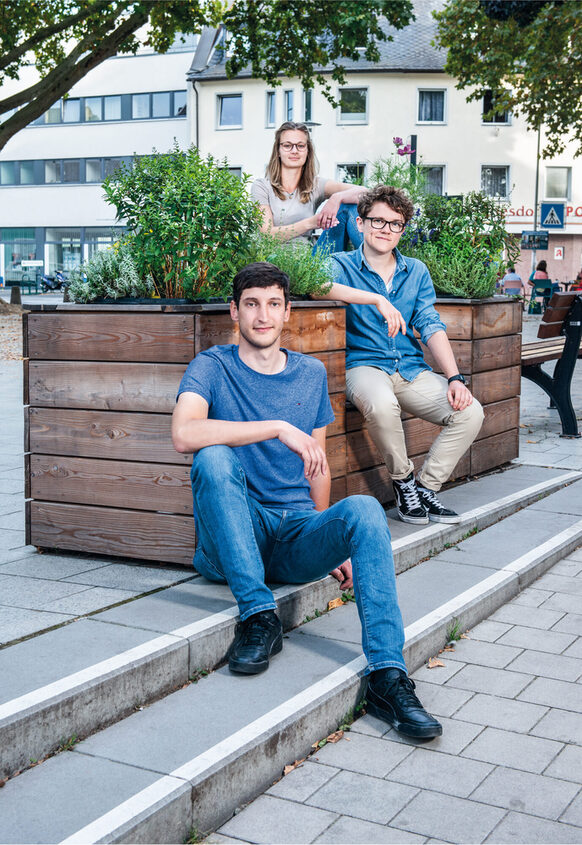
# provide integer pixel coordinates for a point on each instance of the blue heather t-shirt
(298, 395)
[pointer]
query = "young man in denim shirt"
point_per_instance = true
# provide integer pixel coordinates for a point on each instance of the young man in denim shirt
(255, 417)
(385, 369)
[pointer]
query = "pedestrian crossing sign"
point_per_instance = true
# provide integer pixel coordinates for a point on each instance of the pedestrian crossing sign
(552, 215)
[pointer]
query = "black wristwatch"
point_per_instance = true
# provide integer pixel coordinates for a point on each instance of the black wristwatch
(458, 377)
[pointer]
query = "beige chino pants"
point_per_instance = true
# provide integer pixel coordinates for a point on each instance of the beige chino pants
(381, 397)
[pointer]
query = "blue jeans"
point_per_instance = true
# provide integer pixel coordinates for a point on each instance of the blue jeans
(244, 544)
(339, 236)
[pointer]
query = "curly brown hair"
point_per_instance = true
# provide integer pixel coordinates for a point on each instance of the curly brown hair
(394, 198)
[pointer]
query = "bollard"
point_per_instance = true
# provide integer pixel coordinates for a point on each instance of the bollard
(15, 297)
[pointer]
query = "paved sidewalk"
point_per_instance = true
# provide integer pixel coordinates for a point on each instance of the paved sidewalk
(508, 767)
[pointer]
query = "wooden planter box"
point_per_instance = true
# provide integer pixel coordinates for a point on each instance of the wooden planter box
(99, 388)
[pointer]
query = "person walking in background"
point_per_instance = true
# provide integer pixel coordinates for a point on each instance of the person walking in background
(291, 193)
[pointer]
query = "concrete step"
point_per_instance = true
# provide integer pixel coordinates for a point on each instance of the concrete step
(83, 676)
(188, 760)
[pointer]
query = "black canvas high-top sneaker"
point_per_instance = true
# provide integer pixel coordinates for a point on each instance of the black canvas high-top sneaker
(408, 504)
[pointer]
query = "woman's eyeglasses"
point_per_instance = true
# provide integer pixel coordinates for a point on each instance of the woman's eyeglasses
(395, 226)
(301, 146)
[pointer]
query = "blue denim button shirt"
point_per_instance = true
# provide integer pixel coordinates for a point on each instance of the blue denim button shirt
(412, 293)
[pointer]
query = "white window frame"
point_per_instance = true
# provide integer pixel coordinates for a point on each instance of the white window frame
(268, 96)
(363, 121)
(338, 175)
(234, 126)
(508, 168)
(547, 196)
(443, 168)
(444, 92)
(494, 123)
(289, 93)
(307, 92)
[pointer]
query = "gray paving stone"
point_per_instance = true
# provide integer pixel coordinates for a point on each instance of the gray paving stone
(216, 838)
(68, 794)
(132, 577)
(440, 700)
(366, 754)
(18, 622)
(302, 782)
(568, 566)
(553, 693)
(532, 597)
(519, 827)
(562, 601)
(272, 820)
(573, 814)
(364, 797)
(89, 600)
(488, 631)
(370, 725)
(453, 819)
(497, 712)
(439, 674)
(525, 792)
(532, 638)
(34, 593)
(12, 521)
(484, 654)
(445, 773)
(561, 584)
(518, 751)
(530, 617)
(547, 665)
(9, 555)
(484, 679)
(567, 765)
(455, 737)
(51, 567)
(358, 832)
(570, 623)
(575, 650)
(561, 725)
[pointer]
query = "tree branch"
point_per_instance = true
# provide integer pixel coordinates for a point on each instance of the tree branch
(48, 31)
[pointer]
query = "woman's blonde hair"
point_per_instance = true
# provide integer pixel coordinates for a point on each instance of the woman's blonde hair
(309, 171)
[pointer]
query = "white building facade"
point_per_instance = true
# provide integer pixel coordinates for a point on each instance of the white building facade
(52, 208)
(408, 95)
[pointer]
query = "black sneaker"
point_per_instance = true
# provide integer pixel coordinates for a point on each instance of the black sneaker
(408, 504)
(391, 697)
(256, 640)
(436, 510)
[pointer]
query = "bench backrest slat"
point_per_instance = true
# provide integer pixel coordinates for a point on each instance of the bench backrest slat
(550, 329)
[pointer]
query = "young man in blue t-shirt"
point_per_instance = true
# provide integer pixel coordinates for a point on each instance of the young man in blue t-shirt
(255, 417)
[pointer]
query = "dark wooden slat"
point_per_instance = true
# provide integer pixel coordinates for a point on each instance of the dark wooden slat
(103, 434)
(105, 385)
(27, 520)
(338, 404)
(554, 315)
(90, 481)
(495, 385)
(494, 451)
(27, 493)
(561, 299)
(550, 329)
(500, 416)
(116, 337)
(338, 489)
(25, 382)
(336, 455)
(316, 329)
(109, 531)
(471, 321)
(335, 364)
(495, 352)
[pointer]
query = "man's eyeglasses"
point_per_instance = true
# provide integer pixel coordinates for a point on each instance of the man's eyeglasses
(301, 146)
(396, 226)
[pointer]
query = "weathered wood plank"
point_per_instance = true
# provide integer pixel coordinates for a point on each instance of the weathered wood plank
(500, 416)
(109, 531)
(25, 334)
(25, 383)
(91, 481)
(458, 319)
(495, 385)
(336, 455)
(494, 451)
(493, 319)
(316, 329)
(103, 434)
(106, 386)
(477, 356)
(338, 404)
(335, 364)
(338, 489)
(114, 337)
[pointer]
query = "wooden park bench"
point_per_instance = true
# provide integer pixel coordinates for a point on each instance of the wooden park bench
(560, 333)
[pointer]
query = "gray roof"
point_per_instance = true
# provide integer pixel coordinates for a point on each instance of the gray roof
(411, 50)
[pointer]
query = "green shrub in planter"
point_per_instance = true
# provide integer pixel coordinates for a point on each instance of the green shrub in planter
(191, 221)
(462, 240)
(110, 274)
(308, 274)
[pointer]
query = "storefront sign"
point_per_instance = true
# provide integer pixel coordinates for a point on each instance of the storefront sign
(534, 240)
(559, 253)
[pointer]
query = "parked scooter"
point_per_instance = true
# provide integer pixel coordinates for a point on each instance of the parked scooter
(53, 283)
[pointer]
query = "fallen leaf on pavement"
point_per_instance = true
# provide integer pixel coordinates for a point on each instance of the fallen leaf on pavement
(334, 603)
(292, 766)
(433, 662)
(335, 737)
